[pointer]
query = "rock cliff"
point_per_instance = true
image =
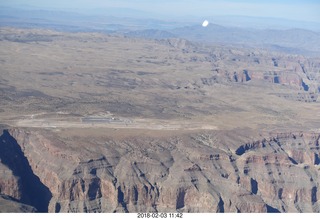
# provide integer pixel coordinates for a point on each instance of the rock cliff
(198, 172)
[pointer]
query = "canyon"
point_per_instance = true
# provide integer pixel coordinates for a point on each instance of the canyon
(194, 172)
(93, 122)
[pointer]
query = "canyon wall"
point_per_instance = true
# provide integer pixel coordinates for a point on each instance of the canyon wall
(198, 172)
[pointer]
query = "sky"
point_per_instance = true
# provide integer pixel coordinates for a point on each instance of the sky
(304, 10)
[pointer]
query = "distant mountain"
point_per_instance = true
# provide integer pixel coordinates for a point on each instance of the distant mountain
(150, 34)
(133, 23)
(263, 22)
(104, 20)
(294, 40)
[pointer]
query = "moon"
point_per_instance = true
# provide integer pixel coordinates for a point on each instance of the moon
(205, 23)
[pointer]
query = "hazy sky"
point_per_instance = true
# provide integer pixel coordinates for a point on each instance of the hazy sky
(306, 10)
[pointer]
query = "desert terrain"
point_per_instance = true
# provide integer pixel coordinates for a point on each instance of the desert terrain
(98, 122)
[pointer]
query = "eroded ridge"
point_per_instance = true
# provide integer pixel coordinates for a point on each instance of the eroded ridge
(195, 172)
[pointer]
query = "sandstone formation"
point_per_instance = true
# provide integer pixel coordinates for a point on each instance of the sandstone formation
(185, 173)
(106, 123)
(9, 205)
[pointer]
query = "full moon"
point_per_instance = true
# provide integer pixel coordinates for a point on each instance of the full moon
(205, 23)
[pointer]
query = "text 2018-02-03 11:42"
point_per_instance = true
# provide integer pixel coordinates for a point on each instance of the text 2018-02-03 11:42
(159, 215)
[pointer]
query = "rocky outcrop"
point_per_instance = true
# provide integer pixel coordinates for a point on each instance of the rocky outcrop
(294, 72)
(10, 205)
(21, 184)
(186, 173)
